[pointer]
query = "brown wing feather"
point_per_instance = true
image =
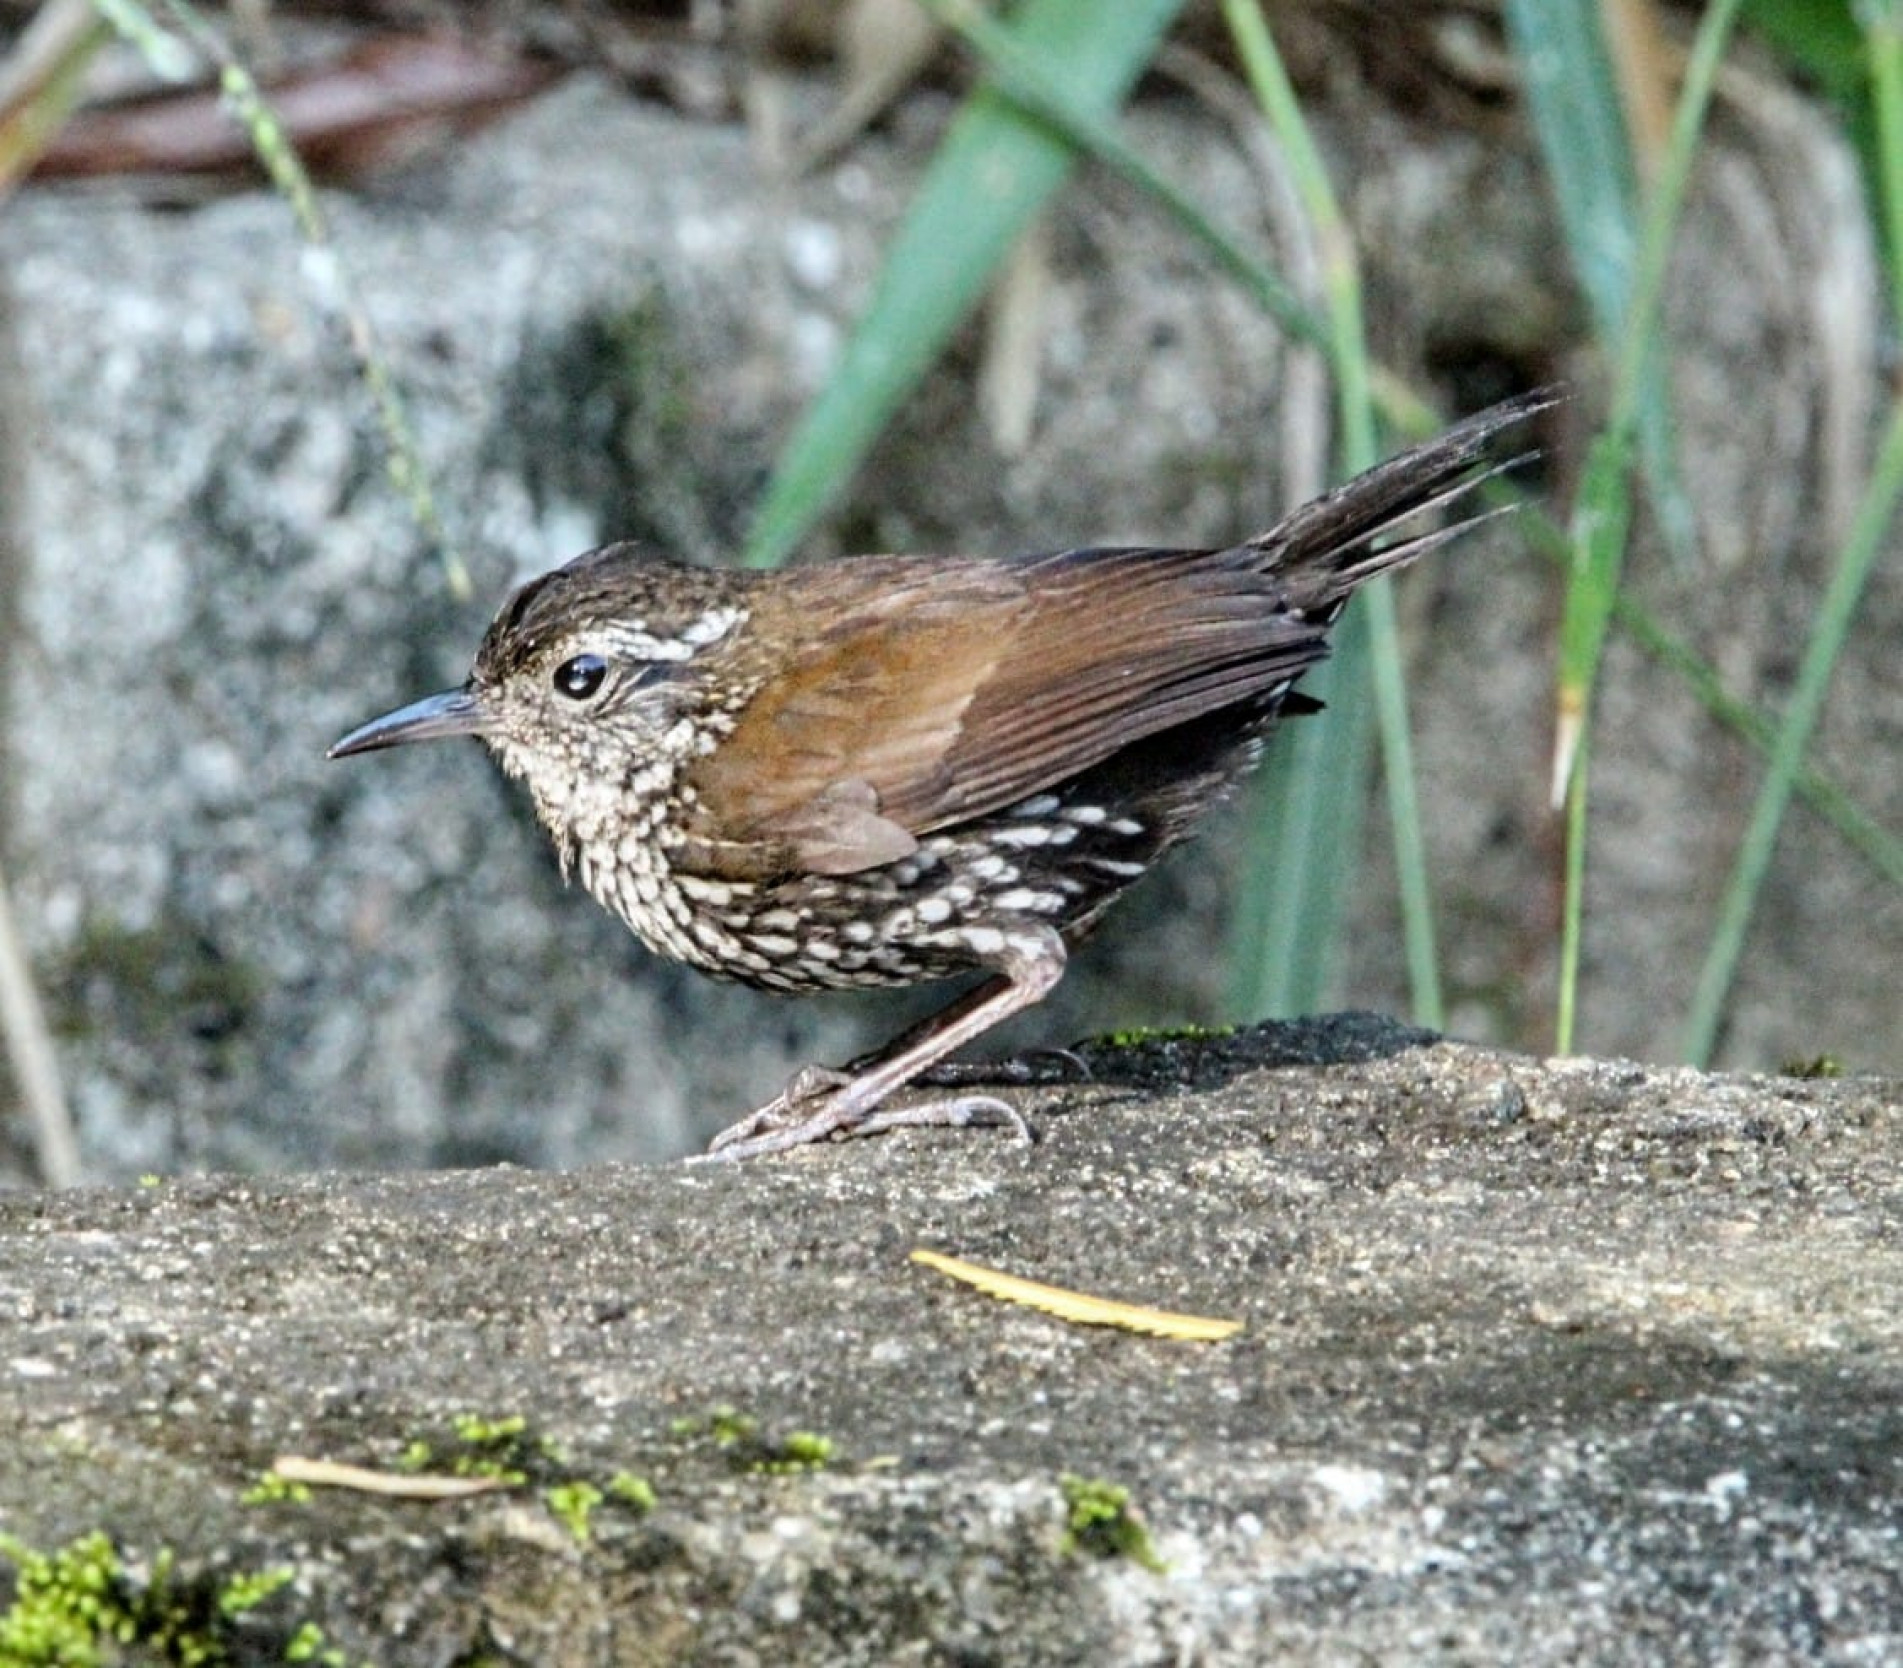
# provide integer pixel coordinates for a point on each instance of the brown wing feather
(834, 756)
(1120, 645)
(945, 690)
(959, 688)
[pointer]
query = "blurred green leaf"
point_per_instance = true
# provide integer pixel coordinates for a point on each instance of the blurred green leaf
(1882, 137)
(1573, 99)
(994, 170)
(1021, 76)
(1578, 117)
(1820, 37)
(1852, 52)
(41, 79)
(1603, 512)
(1602, 517)
(1307, 807)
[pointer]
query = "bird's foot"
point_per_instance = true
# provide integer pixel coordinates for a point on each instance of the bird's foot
(1042, 1067)
(793, 1107)
(952, 1112)
(821, 1103)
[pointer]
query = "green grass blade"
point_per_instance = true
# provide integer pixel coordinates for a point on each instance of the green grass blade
(1602, 518)
(165, 55)
(1307, 851)
(1578, 116)
(1834, 617)
(1849, 64)
(1396, 731)
(1306, 806)
(41, 80)
(1883, 35)
(1882, 850)
(992, 173)
(245, 100)
(1602, 515)
(1573, 898)
(1573, 99)
(1621, 264)
(1019, 74)
(1604, 509)
(1640, 334)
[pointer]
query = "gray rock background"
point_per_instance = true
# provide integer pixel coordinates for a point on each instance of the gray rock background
(1544, 1363)
(605, 319)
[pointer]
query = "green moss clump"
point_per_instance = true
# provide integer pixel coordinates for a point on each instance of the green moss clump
(725, 1426)
(83, 1606)
(632, 1491)
(573, 1502)
(1103, 1523)
(309, 1645)
(507, 1450)
(797, 1451)
(270, 1490)
(503, 1449)
(479, 1432)
(1820, 1065)
(1169, 1034)
(729, 1427)
(245, 1592)
(70, 1606)
(738, 1435)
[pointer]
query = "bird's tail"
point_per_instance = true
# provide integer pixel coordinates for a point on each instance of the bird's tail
(1341, 540)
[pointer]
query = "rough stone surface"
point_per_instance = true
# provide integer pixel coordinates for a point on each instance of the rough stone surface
(605, 319)
(1544, 1362)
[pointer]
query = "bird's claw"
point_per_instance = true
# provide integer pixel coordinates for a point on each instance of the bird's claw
(792, 1119)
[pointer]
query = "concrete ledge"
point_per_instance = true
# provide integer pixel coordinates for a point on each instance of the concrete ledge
(1544, 1362)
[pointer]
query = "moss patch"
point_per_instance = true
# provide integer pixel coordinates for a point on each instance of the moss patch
(1102, 1522)
(739, 1436)
(87, 1603)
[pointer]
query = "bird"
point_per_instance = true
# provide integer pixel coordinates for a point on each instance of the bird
(884, 771)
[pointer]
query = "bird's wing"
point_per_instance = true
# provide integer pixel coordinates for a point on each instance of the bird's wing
(944, 691)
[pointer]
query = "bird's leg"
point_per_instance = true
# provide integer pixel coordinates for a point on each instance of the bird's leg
(1061, 1065)
(807, 1086)
(917, 1032)
(820, 1103)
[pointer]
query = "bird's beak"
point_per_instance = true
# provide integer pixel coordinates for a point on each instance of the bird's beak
(455, 712)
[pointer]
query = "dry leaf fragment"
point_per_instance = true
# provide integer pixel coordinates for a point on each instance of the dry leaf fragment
(1078, 1307)
(401, 1485)
(382, 104)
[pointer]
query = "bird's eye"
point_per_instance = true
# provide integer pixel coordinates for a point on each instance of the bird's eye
(580, 677)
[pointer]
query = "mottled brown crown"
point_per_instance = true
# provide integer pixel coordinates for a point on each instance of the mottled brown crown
(622, 589)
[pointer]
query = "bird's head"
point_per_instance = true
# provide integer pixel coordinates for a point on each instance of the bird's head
(586, 682)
